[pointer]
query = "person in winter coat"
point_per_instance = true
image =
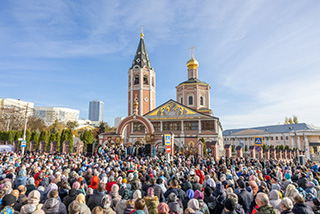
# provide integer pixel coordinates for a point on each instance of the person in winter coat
(196, 184)
(96, 198)
(157, 189)
(175, 188)
(316, 205)
(129, 207)
(94, 182)
(194, 204)
(275, 199)
(174, 202)
(286, 206)
(114, 193)
(30, 185)
(189, 196)
(84, 209)
(106, 205)
(302, 182)
(262, 201)
(52, 204)
(203, 206)
(22, 178)
(238, 209)
(71, 197)
(7, 204)
(311, 191)
(209, 199)
(110, 184)
(152, 201)
(122, 204)
(33, 199)
(135, 182)
(163, 208)
(64, 189)
(245, 198)
(220, 196)
(300, 206)
(229, 206)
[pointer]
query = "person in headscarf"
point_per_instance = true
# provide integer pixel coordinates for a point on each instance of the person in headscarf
(51, 187)
(94, 182)
(152, 201)
(115, 195)
(106, 205)
(52, 204)
(194, 205)
(275, 199)
(30, 185)
(22, 178)
(7, 204)
(33, 199)
(202, 206)
(84, 209)
(174, 202)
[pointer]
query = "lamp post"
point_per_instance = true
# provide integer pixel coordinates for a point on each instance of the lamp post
(25, 128)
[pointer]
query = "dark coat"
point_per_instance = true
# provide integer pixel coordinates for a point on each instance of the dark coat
(95, 200)
(268, 209)
(220, 196)
(246, 200)
(179, 192)
(287, 212)
(301, 209)
(53, 206)
(157, 192)
(71, 197)
(302, 182)
(197, 186)
(30, 187)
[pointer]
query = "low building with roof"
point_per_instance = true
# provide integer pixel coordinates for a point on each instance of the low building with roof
(301, 136)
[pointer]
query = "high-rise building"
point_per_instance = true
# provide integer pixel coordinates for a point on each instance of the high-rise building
(17, 106)
(96, 108)
(50, 114)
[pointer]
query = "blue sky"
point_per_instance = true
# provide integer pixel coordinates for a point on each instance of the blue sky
(261, 58)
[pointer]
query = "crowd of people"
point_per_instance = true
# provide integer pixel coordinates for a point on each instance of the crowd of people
(116, 180)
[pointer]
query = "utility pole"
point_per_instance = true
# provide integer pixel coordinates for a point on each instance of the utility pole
(25, 128)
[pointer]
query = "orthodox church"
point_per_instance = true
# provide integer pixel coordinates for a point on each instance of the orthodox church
(188, 119)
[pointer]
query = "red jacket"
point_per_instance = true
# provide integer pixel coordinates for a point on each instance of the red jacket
(201, 176)
(109, 185)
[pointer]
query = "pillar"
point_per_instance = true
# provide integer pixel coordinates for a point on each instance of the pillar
(214, 150)
(53, 146)
(307, 150)
(32, 146)
(279, 154)
(227, 149)
(292, 142)
(273, 154)
(42, 146)
(299, 145)
(65, 147)
(252, 152)
(15, 145)
(239, 152)
(266, 153)
(80, 147)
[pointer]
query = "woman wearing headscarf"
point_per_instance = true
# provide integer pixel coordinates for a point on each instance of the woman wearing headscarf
(220, 196)
(22, 178)
(94, 182)
(115, 195)
(275, 199)
(33, 199)
(106, 205)
(84, 209)
(122, 204)
(202, 206)
(30, 185)
(152, 201)
(194, 205)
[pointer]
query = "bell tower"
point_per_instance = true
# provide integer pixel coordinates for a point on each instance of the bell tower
(141, 81)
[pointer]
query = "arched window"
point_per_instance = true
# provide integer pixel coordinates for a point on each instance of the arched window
(190, 100)
(201, 101)
(152, 81)
(136, 79)
(145, 80)
(181, 100)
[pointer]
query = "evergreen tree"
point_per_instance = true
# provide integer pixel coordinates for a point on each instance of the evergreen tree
(86, 138)
(286, 147)
(44, 136)
(58, 137)
(17, 136)
(70, 139)
(52, 137)
(35, 138)
(63, 138)
(11, 135)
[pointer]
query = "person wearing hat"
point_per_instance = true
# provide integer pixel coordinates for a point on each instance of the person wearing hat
(152, 201)
(163, 208)
(95, 199)
(7, 204)
(244, 197)
(302, 181)
(286, 206)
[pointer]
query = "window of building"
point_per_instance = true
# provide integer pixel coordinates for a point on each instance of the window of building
(201, 101)
(157, 126)
(271, 138)
(267, 138)
(207, 125)
(171, 126)
(152, 81)
(181, 100)
(245, 138)
(287, 138)
(192, 125)
(136, 79)
(138, 127)
(190, 100)
(281, 138)
(145, 80)
(276, 138)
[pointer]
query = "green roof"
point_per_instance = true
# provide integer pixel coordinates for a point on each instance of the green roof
(141, 58)
(193, 80)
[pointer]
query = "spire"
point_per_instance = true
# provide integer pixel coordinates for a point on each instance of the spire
(141, 58)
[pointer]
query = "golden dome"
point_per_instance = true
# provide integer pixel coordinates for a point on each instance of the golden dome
(192, 63)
